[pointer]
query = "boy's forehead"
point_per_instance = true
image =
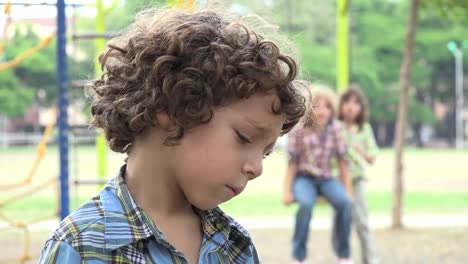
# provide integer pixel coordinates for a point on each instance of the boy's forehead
(258, 110)
(258, 104)
(260, 124)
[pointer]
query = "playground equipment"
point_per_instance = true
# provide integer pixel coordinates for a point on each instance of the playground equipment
(342, 45)
(26, 182)
(23, 225)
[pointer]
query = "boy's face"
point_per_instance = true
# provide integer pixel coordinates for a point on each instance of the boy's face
(214, 162)
(322, 110)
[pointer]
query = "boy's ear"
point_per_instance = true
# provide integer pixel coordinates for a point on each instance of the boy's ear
(164, 121)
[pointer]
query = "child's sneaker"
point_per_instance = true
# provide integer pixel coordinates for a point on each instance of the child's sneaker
(345, 261)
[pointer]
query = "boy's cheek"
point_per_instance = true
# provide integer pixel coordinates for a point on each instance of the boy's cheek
(205, 196)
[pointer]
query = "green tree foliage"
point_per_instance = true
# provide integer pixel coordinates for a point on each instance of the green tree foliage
(14, 97)
(377, 34)
(119, 18)
(449, 9)
(35, 72)
(376, 43)
(20, 84)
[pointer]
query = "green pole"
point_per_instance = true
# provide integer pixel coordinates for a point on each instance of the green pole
(100, 45)
(342, 53)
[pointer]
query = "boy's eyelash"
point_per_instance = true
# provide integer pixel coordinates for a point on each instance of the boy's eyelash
(267, 154)
(243, 138)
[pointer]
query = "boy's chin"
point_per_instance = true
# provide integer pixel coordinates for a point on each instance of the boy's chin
(206, 206)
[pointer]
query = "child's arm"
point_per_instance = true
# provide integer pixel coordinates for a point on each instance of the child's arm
(344, 175)
(371, 144)
(369, 151)
(288, 197)
(361, 152)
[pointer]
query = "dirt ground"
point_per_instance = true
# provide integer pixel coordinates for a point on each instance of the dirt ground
(411, 246)
(416, 246)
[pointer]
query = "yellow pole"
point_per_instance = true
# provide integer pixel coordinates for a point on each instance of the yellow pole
(100, 45)
(28, 53)
(342, 54)
(182, 4)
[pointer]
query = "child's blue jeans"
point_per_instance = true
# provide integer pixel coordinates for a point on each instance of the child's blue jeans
(306, 189)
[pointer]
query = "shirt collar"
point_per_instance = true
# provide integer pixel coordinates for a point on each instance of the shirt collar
(126, 223)
(224, 231)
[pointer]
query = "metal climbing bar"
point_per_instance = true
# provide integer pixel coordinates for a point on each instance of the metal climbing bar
(62, 72)
(94, 35)
(28, 3)
(42, 44)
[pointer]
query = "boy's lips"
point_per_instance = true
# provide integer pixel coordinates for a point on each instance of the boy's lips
(235, 190)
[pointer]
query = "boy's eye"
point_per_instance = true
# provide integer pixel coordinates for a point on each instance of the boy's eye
(267, 154)
(243, 138)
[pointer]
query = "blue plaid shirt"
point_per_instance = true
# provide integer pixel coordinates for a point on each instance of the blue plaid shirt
(111, 228)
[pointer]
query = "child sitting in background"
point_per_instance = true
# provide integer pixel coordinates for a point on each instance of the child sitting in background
(311, 149)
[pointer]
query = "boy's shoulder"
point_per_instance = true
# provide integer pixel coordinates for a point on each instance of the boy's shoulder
(87, 219)
(78, 235)
(106, 221)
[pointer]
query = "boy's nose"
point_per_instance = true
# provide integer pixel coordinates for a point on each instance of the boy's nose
(253, 168)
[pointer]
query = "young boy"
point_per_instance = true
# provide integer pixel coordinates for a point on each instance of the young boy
(196, 102)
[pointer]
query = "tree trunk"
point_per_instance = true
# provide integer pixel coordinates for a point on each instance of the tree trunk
(400, 130)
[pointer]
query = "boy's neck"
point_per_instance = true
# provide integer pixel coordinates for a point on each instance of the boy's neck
(152, 184)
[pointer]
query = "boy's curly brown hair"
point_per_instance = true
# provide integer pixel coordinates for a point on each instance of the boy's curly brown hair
(186, 65)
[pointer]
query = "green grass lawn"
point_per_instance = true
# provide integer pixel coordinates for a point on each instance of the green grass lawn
(269, 204)
(435, 181)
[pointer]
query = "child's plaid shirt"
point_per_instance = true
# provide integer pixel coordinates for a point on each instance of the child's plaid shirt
(111, 228)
